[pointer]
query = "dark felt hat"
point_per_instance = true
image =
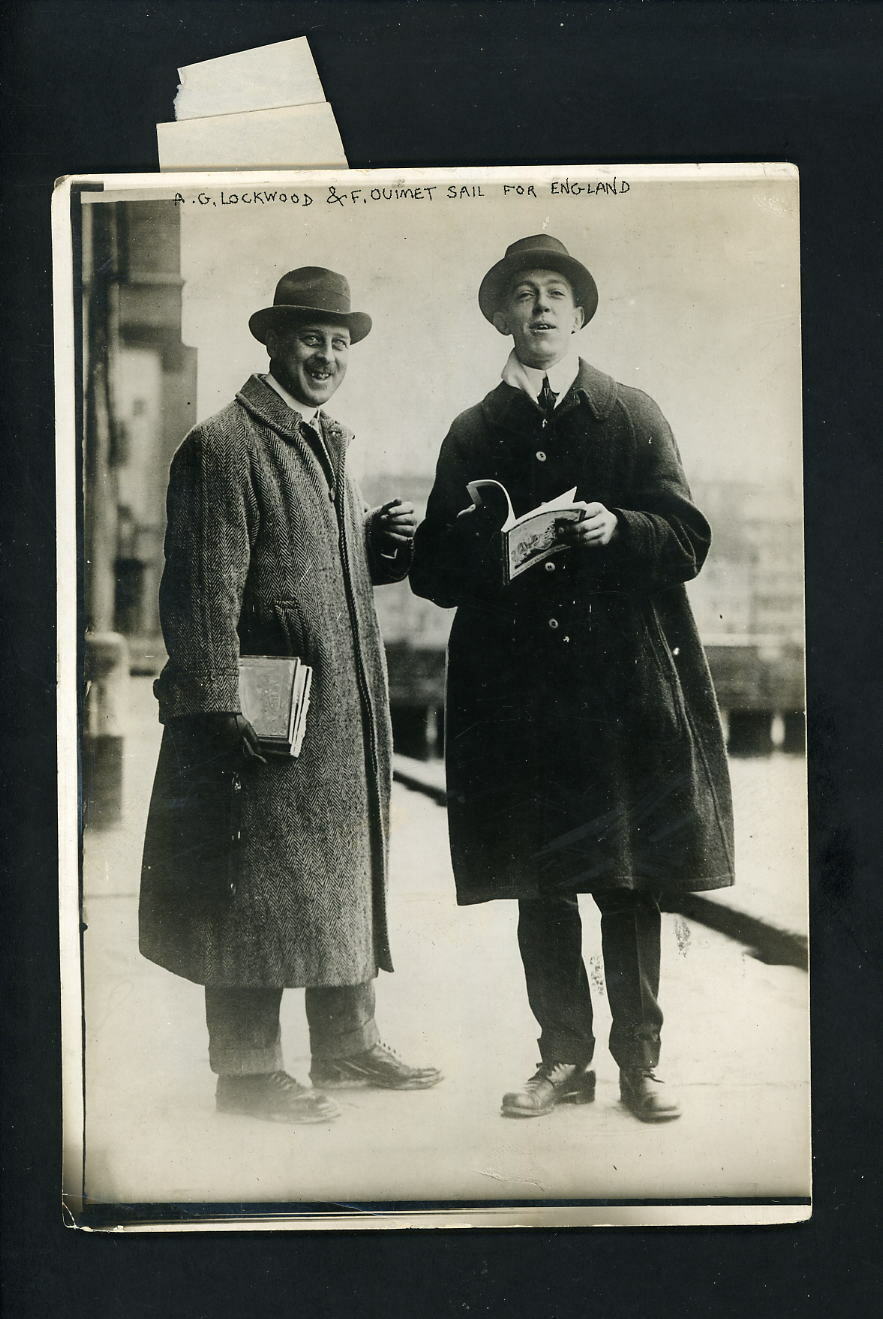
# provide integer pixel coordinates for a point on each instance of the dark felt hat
(539, 252)
(307, 292)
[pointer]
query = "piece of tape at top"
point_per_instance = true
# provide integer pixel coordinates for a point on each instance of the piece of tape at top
(297, 136)
(265, 78)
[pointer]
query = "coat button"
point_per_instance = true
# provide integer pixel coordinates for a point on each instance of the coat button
(541, 457)
(553, 623)
(549, 566)
(565, 638)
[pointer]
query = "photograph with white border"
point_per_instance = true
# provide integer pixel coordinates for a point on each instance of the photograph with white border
(528, 852)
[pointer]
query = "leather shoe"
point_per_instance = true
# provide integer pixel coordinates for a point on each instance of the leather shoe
(639, 1091)
(274, 1097)
(551, 1084)
(379, 1067)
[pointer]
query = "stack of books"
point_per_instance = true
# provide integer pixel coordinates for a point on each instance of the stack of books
(274, 694)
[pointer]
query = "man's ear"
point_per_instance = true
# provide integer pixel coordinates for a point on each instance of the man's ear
(500, 323)
(271, 343)
(579, 320)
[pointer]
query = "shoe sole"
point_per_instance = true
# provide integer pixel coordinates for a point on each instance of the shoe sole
(574, 1097)
(650, 1117)
(306, 1119)
(364, 1083)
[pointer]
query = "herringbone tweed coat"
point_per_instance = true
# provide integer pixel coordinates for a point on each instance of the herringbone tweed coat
(269, 875)
(583, 742)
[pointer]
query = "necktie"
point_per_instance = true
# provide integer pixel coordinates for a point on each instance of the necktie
(313, 432)
(546, 399)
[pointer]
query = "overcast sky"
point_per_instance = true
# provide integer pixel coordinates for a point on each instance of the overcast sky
(699, 306)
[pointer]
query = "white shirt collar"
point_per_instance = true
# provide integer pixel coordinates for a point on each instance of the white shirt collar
(530, 378)
(293, 403)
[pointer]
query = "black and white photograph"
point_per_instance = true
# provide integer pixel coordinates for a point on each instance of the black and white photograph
(432, 719)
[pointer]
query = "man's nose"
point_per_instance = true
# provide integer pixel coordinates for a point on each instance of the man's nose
(541, 302)
(323, 352)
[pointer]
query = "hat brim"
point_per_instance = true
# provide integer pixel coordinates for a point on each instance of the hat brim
(498, 279)
(276, 317)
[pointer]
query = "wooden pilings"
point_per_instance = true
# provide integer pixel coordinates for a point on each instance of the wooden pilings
(418, 731)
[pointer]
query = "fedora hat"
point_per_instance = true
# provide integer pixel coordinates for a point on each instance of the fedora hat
(310, 291)
(539, 252)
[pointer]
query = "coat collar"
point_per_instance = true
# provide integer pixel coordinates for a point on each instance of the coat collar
(512, 409)
(262, 401)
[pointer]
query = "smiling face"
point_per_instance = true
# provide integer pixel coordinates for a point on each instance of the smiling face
(541, 315)
(310, 359)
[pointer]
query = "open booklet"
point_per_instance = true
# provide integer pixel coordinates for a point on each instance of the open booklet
(534, 536)
(274, 693)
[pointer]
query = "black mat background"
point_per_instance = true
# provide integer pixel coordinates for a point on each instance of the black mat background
(457, 83)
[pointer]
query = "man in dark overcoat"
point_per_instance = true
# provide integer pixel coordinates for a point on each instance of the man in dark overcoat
(263, 872)
(583, 743)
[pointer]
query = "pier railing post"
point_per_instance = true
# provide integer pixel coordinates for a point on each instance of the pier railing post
(107, 683)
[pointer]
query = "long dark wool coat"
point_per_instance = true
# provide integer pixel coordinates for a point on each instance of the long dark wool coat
(583, 740)
(269, 874)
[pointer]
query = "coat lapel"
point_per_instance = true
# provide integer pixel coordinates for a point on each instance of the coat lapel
(263, 403)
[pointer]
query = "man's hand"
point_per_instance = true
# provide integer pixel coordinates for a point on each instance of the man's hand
(596, 527)
(233, 735)
(396, 523)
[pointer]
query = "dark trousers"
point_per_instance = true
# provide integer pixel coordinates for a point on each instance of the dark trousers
(243, 1026)
(550, 940)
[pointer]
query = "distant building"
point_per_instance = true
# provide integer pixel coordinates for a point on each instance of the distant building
(140, 395)
(751, 587)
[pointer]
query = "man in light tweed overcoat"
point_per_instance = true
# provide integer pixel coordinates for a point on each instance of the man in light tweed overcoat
(266, 873)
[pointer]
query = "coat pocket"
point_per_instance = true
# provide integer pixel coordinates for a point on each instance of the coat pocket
(293, 632)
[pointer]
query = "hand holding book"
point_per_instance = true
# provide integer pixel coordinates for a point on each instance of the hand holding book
(596, 527)
(534, 536)
(230, 735)
(241, 731)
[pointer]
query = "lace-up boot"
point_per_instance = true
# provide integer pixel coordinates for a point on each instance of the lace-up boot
(274, 1097)
(639, 1090)
(379, 1066)
(551, 1084)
